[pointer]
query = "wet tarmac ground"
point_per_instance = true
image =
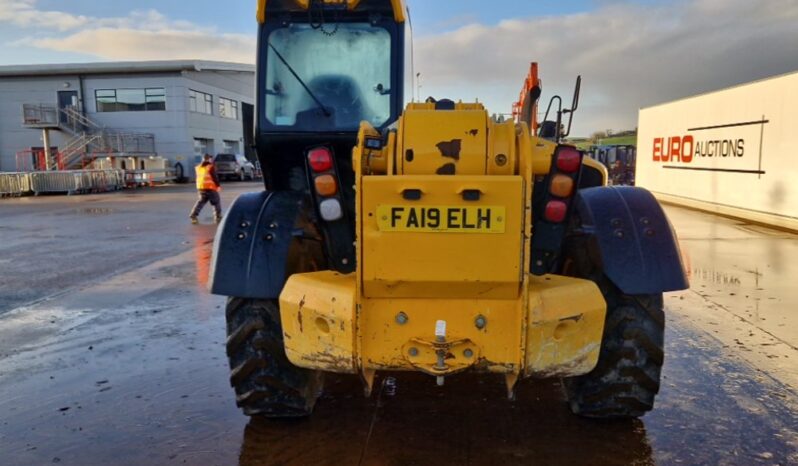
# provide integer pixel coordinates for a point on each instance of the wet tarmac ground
(112, 352)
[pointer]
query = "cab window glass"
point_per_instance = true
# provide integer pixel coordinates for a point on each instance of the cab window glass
(348, 72)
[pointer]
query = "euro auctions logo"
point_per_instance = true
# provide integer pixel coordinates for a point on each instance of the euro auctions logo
(674, 149)
(685, 149)
(725, 147)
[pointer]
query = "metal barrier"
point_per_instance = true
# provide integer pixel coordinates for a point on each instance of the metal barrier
(55, 182)
(80, 181)
(107, 180)
(76, 181)
(14, 184)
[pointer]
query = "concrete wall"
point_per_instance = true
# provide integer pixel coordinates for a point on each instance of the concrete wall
(730, 152)
(174, 129)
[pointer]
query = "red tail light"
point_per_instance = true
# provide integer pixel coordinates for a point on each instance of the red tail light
(568, 160)
(320, 159)
(555, 211)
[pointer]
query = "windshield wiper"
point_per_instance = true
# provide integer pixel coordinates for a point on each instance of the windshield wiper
(324, 110)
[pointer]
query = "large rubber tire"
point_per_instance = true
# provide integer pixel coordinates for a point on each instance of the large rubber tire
(265, 382)
(626, 379)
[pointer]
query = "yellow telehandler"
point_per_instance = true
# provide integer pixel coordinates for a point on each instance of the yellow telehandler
(427, 237)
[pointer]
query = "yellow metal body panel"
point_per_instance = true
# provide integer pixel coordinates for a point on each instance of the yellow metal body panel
(553, 330)
(542, 151)
(399, 11)
(399, 7)
(260, 12)
(317, 312)
(388, 344)
(429, 264)
(502, 149)
(444, 142)
(566, 322)
(409, 277)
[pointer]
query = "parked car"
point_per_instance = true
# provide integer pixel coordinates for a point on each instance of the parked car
(234, 166)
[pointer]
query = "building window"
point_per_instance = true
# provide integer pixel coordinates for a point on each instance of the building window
(203, 146)
(130, 100)
(155, 98)
(230, 147)
(228, 108)
(200, 102)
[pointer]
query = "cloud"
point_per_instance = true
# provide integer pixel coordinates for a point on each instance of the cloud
(23, 13)
(140, 35)
(138, 44)
(629, 55)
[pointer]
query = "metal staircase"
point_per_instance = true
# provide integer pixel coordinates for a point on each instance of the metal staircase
(88, 138)
(72, 155)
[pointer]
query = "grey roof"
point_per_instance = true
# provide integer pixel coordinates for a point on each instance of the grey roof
(123, 67)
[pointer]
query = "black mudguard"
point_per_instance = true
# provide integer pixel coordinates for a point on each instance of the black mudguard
(631, 239)
(250, 251)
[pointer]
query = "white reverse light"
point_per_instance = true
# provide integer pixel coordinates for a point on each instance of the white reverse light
(330, 210)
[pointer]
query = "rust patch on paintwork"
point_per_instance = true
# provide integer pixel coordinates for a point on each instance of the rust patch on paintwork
(473, 132)
(578, 364)
(299, 313)
(330, 362)
(574, 318)
(447, 169)
(451, 148)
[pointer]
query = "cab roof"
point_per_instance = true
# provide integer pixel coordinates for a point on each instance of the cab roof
(269, 7)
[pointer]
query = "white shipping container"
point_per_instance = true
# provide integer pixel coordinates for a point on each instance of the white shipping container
(732, 152)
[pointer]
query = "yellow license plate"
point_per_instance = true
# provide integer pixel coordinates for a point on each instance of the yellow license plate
(442, 219)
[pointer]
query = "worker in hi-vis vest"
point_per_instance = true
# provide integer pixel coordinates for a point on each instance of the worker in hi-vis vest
(208, 188)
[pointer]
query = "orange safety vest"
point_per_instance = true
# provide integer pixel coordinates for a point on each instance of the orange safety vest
(204, 179)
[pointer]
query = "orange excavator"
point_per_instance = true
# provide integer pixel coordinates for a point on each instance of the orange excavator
(526, 108)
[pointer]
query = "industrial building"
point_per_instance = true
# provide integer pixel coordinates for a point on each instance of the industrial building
(728, 152)
(178, 110)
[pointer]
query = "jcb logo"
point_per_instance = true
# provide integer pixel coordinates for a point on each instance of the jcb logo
(674, 149)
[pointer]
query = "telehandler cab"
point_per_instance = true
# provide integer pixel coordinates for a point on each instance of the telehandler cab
(428, 239)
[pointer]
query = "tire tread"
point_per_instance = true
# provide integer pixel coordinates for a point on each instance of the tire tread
(626, 378)
(265, 382)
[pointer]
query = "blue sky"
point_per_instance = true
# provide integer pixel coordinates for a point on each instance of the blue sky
(631, 53)
(227, 15)
(429, 16)
(435, 16)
